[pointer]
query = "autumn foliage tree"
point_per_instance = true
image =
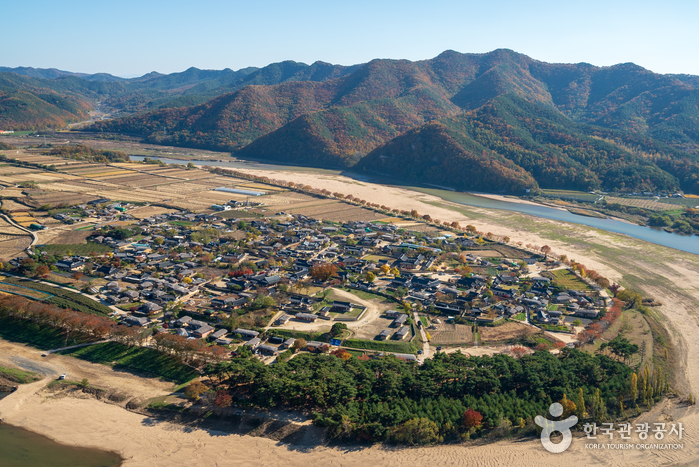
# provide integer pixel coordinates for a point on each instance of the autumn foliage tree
(472, 418)
(323, 272)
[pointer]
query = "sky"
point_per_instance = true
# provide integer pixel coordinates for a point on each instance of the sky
(130, 38)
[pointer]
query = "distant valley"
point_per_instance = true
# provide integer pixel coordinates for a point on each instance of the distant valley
(497, 122)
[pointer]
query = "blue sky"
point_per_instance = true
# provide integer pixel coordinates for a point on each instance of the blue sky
(131, 38)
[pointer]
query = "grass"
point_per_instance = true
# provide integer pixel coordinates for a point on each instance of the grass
(520, 317)
(44, 338)
(24, 291)
(369, 296)
(382, 346)
(135, 358)
(287, 333)
(424, 321)
(566, 279)
(64, 298)
(19, 376)
(81, 249)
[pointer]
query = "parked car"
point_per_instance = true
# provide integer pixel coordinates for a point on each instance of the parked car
(63, 376)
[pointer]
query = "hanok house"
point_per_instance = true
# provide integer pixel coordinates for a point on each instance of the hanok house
(383, 335)
(246, 333)
(400, 320)
(283, 319)
(289, 343)
(309, 317)
(268, 349)
(341, 307)
(219, 334)
(150, 308)
(203, 331)
(402, 333)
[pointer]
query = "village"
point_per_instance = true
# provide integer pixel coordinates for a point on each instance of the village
(263, 282)
(254, 266)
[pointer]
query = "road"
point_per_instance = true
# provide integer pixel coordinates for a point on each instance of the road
(425, 344)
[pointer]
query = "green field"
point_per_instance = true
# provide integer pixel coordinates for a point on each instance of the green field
(135, 358)
(23, 291)
(19, 376)
(567, 280)
(381, 346)
(44, 338)
(63, 298)
(287, 333)
(520, 317)
(82, 249)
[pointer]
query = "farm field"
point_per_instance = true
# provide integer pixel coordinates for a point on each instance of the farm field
(568, 280)
(505, 333)
(451, 334)
(644, 203)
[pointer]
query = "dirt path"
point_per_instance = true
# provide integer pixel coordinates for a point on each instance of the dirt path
(102, 376)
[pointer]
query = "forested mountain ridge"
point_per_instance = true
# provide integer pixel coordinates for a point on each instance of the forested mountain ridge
(523, 122)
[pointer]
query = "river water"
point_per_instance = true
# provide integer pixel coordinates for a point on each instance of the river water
(686, 243)
(24, 448)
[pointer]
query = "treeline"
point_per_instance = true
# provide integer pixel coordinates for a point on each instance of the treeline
(86, 153)
(383, 399)
(89, 327)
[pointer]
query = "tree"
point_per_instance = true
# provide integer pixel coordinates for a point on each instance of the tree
(323, 272)
(195, 389)
(77, 275)
(42, 271)
(223, 399)
(370, 276)
(417, 431)
(546, 250)
(300, 344)
(569, 406)
(338, 329)
(385, 269)
(472, 418)
(634, 388)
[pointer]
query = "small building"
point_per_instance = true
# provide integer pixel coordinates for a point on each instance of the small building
(268, 349)
(383, 335)
(402, 333)
(246, 333)
(289, 343)
(400, 320)
(309, 317)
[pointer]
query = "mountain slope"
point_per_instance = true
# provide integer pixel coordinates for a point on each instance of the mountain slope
(538, 141)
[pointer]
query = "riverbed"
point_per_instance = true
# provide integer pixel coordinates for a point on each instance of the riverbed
(24, 448)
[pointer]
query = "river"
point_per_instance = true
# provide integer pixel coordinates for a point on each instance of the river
(686, 243)
(24, 448)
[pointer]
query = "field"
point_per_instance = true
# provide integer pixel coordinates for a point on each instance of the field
(381, 346)
(81, 249)
(140, 359)
(506, 333)
(24, 291)
(63, 298)
(644, 203)
(451, 334)
(568, 280)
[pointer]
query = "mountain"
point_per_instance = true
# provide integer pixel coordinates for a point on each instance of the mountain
(513, 121)
(511, 144)
(26, 104)
(52, 73)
